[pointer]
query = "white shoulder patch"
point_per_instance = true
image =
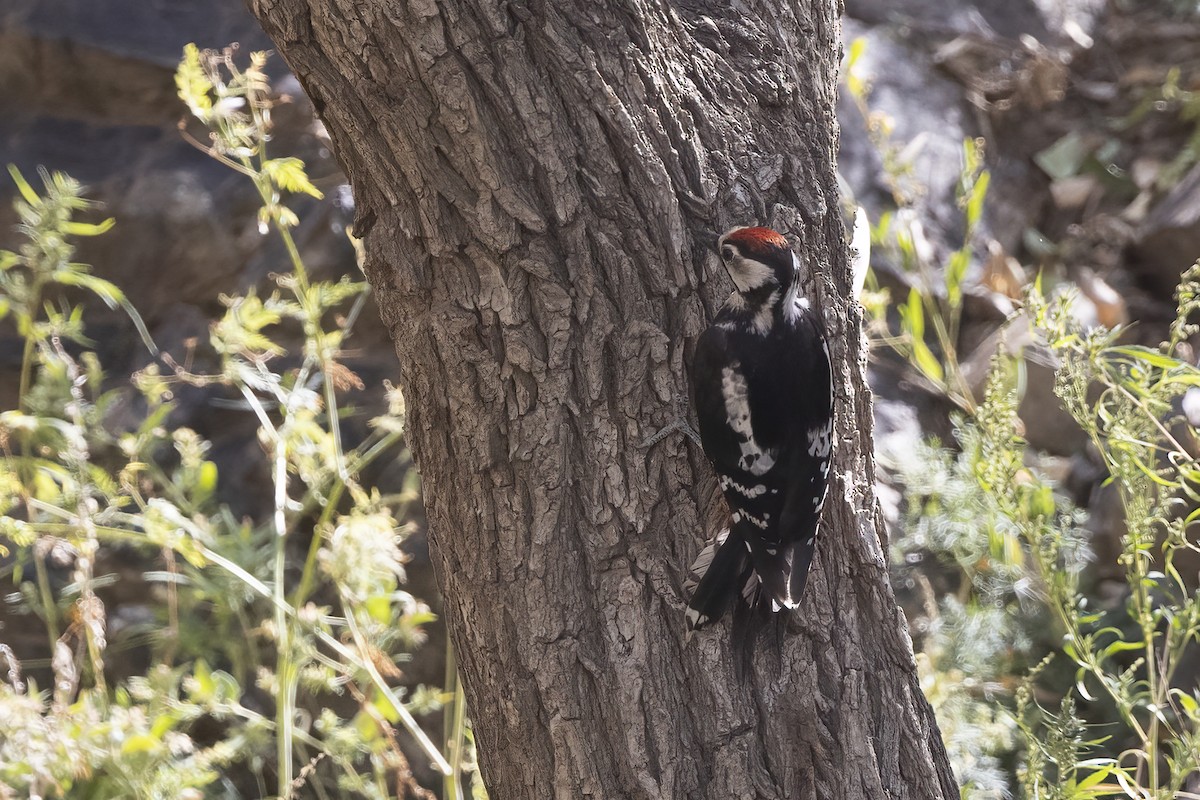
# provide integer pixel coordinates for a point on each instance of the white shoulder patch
(754, 459)
(794, 303)
(820, 440)
(761, 323)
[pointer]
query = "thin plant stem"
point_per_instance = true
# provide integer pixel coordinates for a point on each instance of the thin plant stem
(285, 667)
(452, 783)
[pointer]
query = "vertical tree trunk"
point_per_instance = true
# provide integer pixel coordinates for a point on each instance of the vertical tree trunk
(537, 181)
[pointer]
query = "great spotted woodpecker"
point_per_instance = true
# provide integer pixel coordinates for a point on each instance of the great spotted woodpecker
(763, 393)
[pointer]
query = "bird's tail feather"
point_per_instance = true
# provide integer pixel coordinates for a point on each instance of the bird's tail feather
(720, 574)
(750, 619)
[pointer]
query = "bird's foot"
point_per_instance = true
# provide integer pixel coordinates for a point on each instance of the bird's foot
(679, 424)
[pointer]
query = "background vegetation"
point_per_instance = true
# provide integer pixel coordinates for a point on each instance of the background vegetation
(266, 674)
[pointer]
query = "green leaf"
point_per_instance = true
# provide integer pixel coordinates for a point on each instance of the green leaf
(206, 481)
(975, 201)
(107, 291)
(88, 228)
(193, 84)
(1094, 778)
(956, 270)
(379, 607)
(162, 724)
(927, 362)
(366, 727)
(384, 706)
(854, 81)
(1152, 357)
(23, 186)
(1121, 647)
(140, 743)
(855, 53)
(1186, 700)
(205, 687)
(289, 175)
(913, 314)
(286, 218)
(420, 617)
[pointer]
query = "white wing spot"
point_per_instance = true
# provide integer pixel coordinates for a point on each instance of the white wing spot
(820, 440)
(755, 460)
(739, 516)
(745, 491)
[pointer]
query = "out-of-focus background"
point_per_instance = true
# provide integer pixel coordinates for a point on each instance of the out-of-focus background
(995, 146)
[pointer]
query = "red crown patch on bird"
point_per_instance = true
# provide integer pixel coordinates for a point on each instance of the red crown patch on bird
(757, 240)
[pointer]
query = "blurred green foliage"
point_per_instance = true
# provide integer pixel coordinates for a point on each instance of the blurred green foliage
(1043, 689)
(289, 682)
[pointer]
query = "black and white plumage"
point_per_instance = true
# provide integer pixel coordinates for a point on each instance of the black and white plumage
(763, 394)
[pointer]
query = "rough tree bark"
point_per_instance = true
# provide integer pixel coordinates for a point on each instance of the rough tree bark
(537, 183)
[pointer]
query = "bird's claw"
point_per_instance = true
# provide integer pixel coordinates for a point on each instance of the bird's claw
(678, 424)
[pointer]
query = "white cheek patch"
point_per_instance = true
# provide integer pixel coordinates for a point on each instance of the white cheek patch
(749, 274)
(754, 459)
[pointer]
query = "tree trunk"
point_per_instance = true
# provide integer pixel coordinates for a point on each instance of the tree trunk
(537, 183)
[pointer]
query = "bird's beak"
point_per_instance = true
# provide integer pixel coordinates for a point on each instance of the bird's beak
(707, 239)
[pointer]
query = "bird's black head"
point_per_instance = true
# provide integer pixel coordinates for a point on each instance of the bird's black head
(757, 257)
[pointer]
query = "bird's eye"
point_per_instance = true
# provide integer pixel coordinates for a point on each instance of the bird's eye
(727, 253)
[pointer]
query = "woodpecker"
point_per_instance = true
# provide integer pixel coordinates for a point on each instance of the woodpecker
(762, 388)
